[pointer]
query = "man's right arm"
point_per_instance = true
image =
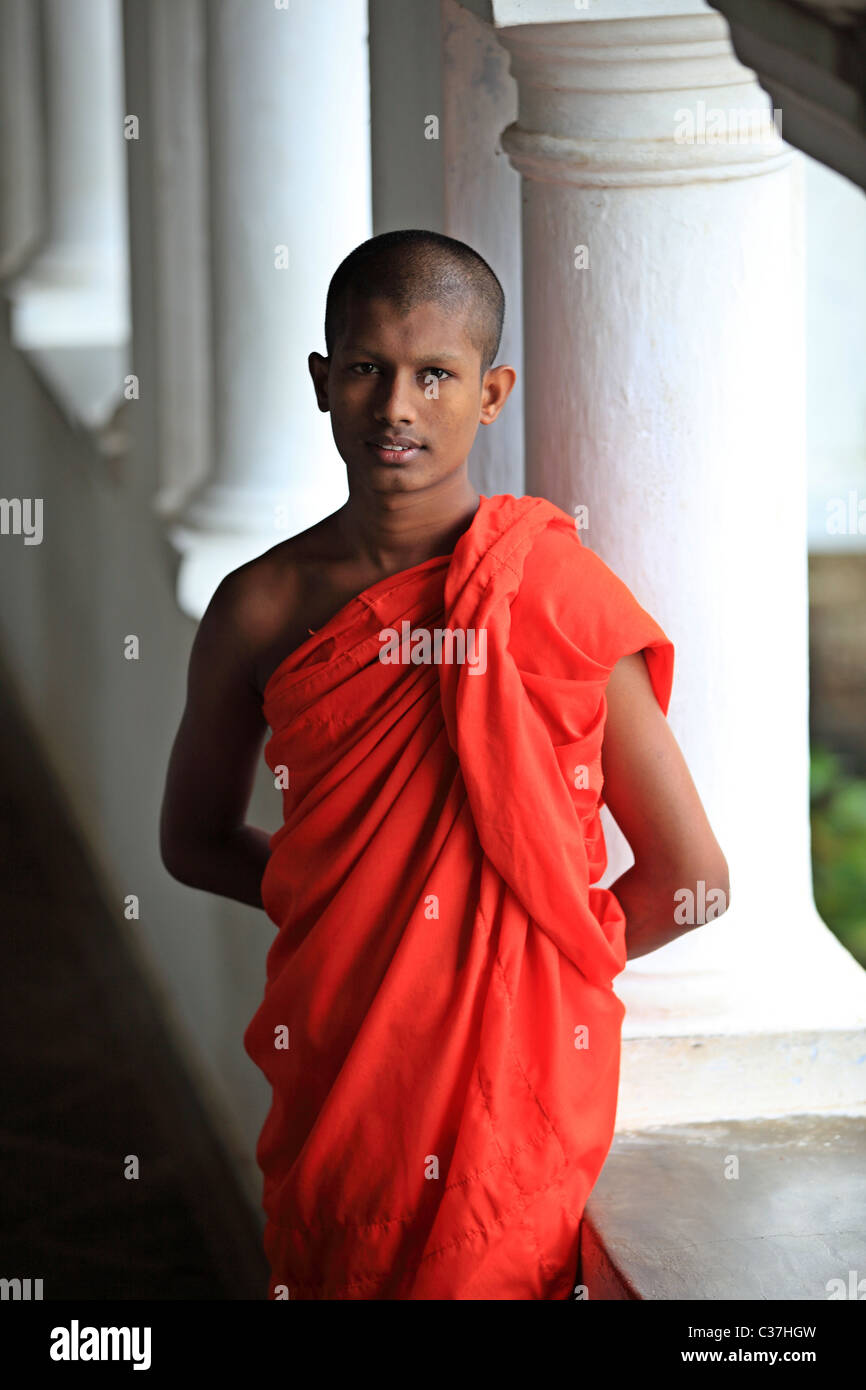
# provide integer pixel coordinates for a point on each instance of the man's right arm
(651, 794)
(203, 839)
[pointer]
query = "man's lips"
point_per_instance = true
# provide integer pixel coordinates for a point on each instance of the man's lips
(394, 448)
(385, 441)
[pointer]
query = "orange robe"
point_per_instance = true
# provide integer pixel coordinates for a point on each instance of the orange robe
(438, 1024)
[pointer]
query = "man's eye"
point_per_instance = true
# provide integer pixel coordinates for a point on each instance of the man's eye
(359, 367)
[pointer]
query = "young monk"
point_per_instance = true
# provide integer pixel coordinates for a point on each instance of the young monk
(439, 1024)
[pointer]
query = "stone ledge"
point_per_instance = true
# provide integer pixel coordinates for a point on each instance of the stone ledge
(665, 1222)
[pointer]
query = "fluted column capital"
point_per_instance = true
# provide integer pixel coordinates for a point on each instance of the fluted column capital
(654, 100)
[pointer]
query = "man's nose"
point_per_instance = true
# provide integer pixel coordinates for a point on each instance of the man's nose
(395, 402)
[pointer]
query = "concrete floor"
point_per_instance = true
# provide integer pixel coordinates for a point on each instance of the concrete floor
(88, 1077)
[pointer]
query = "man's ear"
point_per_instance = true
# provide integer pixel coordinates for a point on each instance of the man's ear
(498, 385)
(319, 367)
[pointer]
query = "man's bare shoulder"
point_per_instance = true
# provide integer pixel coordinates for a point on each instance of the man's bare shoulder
(267, 607)
(259, 589)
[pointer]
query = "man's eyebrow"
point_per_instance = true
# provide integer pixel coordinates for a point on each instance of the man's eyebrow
(367, 353)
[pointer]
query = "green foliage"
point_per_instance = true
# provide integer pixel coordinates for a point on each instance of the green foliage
(838, 813)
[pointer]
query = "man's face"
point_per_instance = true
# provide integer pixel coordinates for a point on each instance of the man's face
(413, 377)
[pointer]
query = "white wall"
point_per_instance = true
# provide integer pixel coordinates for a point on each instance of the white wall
(104, 570)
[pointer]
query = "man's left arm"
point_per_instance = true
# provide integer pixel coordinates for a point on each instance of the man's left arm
(650, 793)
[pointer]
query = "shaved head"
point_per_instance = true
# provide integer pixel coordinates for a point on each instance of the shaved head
(409, 268)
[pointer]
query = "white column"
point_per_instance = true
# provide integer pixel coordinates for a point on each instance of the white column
(288, 122)
(168, 169)
(75, 292)
(74, 295)
(665, 391)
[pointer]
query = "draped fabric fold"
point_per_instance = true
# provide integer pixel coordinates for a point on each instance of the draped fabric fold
(438, 1024)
